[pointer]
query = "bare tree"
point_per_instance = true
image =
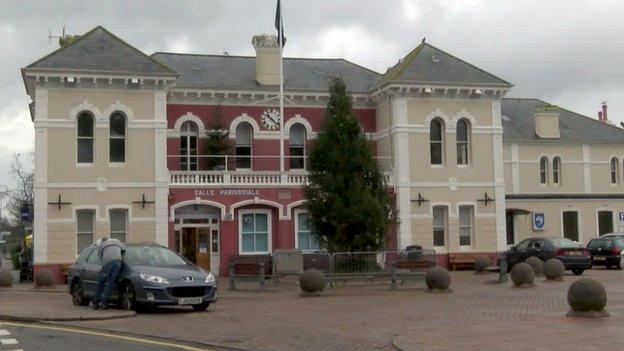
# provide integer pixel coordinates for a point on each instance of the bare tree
(22, 194)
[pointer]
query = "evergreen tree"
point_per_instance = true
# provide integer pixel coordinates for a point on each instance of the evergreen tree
(348, 201)
(217, 142)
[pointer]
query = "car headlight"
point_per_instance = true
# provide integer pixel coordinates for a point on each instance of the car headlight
(153, 278)
(210, 278)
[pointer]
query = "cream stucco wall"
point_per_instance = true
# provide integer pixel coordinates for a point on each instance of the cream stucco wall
(62, 101)
(587, 214)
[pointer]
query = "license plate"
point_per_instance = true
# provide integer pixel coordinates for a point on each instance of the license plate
(599, 258)
(575, 253)
(189, 301)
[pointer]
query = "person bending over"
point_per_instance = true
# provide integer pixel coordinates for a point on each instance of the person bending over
(110, 251)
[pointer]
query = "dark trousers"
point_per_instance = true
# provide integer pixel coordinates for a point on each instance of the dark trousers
(107, 281)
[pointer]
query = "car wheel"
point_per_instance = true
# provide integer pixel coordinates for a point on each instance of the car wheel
(201, 306)
(77, 292)
(577, 271)
(128, 297)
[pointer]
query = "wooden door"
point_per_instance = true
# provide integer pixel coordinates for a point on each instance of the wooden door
(202, 253)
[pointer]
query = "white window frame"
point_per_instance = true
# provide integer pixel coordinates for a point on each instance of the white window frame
(251, 148)
(78, 137)
(110, 222)
(446, 224)
(188, 134)
(93, 226)
(304, 147)
(269, 228)
(556, 169)
(442, 143)
(614, 172)
(544, 171)
(470, 226)
(296, 214)
(124, 138)
(467, 142)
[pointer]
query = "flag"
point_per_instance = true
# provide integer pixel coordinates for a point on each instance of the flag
(279, 24)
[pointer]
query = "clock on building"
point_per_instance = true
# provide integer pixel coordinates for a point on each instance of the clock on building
(271, 119)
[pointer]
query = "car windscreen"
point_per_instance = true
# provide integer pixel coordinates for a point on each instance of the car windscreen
(600, 244)
(152, 256)
(563, 242)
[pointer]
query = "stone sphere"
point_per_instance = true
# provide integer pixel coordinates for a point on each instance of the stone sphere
(312, 281)
(522, 274)
(536, 263)
(481, 263)
(587, 294)
(6, 278)
(438, 278)
(554, 269)
(44, 277)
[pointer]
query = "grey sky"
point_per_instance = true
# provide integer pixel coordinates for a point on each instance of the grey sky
(569, 53)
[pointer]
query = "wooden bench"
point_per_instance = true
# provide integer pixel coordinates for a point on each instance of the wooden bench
(464, 260)
(403, 271)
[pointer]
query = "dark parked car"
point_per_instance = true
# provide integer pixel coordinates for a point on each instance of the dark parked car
(605, 251)
(574, 256)
(152, 275)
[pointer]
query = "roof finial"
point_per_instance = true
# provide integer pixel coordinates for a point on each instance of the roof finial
(423, 41)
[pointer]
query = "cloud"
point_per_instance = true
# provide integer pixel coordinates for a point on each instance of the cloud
(567, 52)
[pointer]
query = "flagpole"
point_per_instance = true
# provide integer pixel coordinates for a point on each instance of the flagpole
(281, 93)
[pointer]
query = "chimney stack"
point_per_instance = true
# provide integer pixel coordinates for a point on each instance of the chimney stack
(546, 120)
(267, 59)
(602, 115)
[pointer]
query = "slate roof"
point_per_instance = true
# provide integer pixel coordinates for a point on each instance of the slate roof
(238, 72)
(101, 51)
(518, 124)
(427, 64)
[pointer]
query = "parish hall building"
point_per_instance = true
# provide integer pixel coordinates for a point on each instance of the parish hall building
(120, 152)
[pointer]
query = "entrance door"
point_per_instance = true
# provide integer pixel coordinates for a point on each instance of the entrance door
(202, 253)
(189, 244)
(605, 222)
(571, 225)
(196, 246)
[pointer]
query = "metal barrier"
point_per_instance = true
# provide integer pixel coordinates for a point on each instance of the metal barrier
(287, 262)
(396, 265)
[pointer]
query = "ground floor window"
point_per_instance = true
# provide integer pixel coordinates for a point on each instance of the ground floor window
(570, 225)
(511, 238)
(440, 214)
(605, 222)
(306, 239)
(255, 230)
(466, 215)
(119, 224)
(86, 226)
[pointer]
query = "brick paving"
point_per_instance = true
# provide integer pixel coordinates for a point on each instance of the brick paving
(477, 315)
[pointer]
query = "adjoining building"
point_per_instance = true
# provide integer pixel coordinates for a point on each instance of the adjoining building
(120, 139)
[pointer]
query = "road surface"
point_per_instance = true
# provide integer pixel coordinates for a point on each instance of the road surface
(26, 337)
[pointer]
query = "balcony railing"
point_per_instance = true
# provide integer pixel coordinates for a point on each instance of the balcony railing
(222, 171)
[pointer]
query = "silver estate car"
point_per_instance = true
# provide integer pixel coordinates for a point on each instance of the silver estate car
(152, 275)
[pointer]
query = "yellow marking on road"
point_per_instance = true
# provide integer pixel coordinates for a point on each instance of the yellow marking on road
(107, 335)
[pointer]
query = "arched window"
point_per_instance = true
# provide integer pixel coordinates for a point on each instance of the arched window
(436, 140)
(117, 138)
(189, 133)
(85, 138)
(463, 142)
(614, 170)
(544, 170)
(244, 137)
(296, 146)
(556, 169)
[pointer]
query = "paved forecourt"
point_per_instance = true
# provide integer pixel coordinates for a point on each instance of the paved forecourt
(479, 313)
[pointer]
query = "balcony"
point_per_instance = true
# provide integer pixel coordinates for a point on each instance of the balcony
(216, 171)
